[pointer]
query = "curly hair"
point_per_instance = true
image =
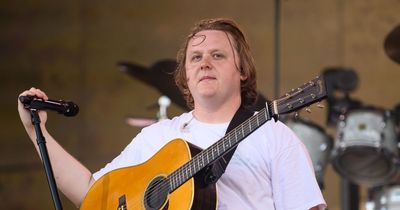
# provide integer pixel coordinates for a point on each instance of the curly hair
(246, 65)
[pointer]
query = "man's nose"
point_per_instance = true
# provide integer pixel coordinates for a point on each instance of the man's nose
(205, 63)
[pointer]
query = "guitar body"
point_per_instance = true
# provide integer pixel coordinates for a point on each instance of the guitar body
(160, 182)
(126, 188)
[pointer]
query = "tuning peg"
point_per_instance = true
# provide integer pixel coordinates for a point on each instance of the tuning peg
(308, 109)
(296, 115)
(319, 105)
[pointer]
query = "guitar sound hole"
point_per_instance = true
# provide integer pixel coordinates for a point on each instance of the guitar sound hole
(156, 193)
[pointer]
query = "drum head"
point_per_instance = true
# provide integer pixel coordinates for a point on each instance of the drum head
(365, 165)
(366, 147)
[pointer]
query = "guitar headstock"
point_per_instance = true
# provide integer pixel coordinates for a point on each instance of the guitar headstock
(309, 93)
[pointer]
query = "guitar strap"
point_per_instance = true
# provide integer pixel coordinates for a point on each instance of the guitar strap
(215, 171)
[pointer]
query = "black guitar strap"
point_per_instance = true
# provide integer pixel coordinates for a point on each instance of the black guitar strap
(215, 171)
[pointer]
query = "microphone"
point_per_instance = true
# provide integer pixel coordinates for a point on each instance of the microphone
(66, 108)
(184, 127)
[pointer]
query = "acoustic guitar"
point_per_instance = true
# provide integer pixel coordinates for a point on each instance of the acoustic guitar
(172, 178)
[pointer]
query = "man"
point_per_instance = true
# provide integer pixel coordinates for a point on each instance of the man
(270, 169)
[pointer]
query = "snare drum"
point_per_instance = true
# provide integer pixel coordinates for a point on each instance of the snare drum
(317, 142)
(366, 147)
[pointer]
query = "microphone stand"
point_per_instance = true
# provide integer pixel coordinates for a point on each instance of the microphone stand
(45, 158)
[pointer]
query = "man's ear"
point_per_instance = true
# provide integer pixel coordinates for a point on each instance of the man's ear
(243, 77)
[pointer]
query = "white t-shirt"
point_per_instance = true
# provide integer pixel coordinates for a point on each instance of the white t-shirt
(270, 169)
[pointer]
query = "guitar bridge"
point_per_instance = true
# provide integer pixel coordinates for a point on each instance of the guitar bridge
(122, 203)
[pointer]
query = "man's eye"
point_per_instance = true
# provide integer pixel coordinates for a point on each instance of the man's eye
(195, 58)
(218, 56)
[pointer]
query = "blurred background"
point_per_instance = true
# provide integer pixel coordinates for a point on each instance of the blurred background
(71, 49)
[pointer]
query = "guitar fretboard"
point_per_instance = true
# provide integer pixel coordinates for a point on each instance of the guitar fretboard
(218, 149)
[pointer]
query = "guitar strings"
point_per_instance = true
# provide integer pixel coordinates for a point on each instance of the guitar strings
(184, 167)
(165, 185)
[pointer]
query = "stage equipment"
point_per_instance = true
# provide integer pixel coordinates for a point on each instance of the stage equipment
(163, 103)
(396, 114)
(66, 108)
(34, 104)
(366, 147)
(340, 81)
(392, 44)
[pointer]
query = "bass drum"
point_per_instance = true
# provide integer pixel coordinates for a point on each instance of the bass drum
(317, 142)
(366, 147)
(384, 198)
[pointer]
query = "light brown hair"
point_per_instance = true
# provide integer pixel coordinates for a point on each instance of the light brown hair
(246, 63)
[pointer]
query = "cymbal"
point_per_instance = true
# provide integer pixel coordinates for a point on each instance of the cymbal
(392, 44)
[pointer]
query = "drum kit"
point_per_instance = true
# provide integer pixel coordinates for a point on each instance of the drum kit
(365, 149)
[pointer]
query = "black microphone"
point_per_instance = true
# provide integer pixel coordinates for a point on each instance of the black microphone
(66, 108)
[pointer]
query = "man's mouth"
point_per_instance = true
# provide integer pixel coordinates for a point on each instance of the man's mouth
(206, 78)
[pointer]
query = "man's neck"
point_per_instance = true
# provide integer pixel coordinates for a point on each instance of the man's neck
(216, 114)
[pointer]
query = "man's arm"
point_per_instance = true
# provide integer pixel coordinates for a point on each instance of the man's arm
(72, 178)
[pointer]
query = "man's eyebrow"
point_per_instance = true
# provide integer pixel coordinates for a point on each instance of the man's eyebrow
(217, 50)
(193, 51)
(212, 51)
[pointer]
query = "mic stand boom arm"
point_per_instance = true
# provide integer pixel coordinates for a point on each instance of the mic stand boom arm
(45, 158)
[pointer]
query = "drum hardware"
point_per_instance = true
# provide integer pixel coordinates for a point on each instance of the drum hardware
(340, 82)
(366, 147)
(163, 103)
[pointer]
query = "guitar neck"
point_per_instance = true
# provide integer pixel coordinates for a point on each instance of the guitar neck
(218, 149)
(308, 93)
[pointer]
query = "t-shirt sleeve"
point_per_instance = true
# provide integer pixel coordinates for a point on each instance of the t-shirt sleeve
(293, 180)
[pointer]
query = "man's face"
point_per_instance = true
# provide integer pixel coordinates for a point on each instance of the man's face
(212, 65)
